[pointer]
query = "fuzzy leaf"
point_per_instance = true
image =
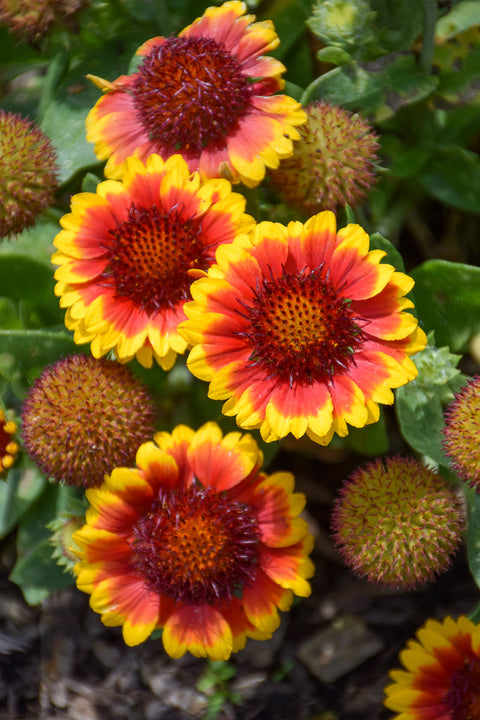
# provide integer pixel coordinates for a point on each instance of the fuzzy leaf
(447, 298)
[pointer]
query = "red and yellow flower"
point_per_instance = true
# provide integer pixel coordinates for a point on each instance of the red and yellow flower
(197, 541)
(206, 94)
(302, 329)
(441, 680)
(128, 252)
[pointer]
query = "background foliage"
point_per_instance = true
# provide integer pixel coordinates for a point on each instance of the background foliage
(412, 68)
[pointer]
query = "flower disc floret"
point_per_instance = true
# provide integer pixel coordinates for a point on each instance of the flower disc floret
(301, 329)
(461, 432)
(440, 678)
(195, 540)
(82, 417)
(207, 94)
(128, 254)
(397, 522)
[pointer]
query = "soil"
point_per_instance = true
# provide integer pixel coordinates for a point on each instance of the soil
(329, 660)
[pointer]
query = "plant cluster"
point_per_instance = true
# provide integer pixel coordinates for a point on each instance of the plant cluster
(268, 222)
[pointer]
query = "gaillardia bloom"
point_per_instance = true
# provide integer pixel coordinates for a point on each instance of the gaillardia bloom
(460, 434)
(332, 164)
(206, 94)
(397, 522)
(197, 541)
(27, 173)
(82, 417)
(128, 254)
(8, 443)
(441, 680)
(302, 329)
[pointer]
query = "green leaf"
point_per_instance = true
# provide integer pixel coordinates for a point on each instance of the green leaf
(70, 102)
(64, 123)
(9, 317)
(421, 421)
(419, 404)
(24, 353)
(38, 574)
(408, 163)
(26, 279)
(37, 242)
(447, 298)
(382, 87)
(473, 535)
(452, 176)
(462, 16)
(334, 55)
(36, 571)
(378, 242)
(17, 495)
(370, 440)
(288, 17)
(398, 23)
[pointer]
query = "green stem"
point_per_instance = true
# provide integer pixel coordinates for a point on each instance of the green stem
(430, 14)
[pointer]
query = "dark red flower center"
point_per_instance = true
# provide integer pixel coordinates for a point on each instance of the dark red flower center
(149, 257)
(190, 93)
(196, 546)
(301, 330)
(463, 697)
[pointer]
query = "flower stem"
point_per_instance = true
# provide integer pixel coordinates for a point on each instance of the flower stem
(428, 45)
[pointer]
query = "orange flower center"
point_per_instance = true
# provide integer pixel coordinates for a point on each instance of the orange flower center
(301, 330)
(190, 93)
(196, 546)
(463, 697)
(150, 255)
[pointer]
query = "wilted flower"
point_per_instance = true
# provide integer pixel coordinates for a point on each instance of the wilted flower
(441, 680)
(83, 417)
(302, 329)
(129, 253)
(197, 541)
(397, 522)
(206, 94)
(461, 433)
(27, 173)
(332, 164)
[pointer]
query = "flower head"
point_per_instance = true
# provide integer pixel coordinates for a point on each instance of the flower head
(27, 173)
(301, 329)
(441, 679)
(332, 164)
(196, 541)
(8, 443)
(128, 254)
(82, 417)
(397, 522)
(460, 434)
(32, 19)
(206, 94)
